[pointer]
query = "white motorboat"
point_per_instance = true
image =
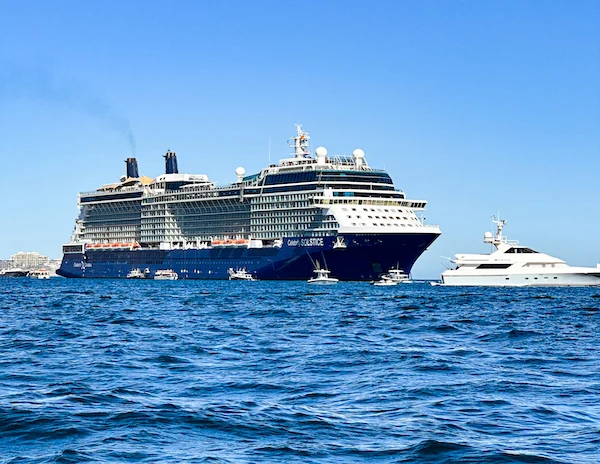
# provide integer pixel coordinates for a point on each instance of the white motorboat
(399, 276)
(240, 274)
(393, 277)
(136, 273)
(385, 281)
(322, 277)
(165, 274)
(513, 265)
(41, 274)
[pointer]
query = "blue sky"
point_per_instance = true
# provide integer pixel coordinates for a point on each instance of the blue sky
(474, 106)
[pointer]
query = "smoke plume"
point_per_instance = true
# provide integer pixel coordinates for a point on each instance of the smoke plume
(41, 83)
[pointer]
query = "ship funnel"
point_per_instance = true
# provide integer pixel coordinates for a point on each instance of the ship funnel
(132, 168)
(171, 163)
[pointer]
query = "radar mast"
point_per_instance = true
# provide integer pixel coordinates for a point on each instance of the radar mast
(300, 142)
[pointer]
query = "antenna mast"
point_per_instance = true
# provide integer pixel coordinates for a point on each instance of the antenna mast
(300, 142)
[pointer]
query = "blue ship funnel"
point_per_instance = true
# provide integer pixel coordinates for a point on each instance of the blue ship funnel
(132, 168)
(171, 163)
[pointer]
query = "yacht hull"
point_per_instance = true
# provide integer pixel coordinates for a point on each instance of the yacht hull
(523, 280)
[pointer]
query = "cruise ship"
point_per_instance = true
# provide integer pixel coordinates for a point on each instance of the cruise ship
(278, 223)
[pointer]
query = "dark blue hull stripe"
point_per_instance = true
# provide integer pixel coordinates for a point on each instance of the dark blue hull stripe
(365, 257)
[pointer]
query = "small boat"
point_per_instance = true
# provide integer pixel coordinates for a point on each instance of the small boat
(165, 274)
(394, 276)
(399, 276)
(41, 274)
(322, 277)
(239, 274)
(14, 272)
(385, 281)
(136, 274)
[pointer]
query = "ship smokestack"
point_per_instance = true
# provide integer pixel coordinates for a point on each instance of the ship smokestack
(171, 163)
(132, 168)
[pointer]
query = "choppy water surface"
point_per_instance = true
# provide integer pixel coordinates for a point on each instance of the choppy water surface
(121, 371)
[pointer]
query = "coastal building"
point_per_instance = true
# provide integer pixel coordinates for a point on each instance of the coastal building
(29, 260)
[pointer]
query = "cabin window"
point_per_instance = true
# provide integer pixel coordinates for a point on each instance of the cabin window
(520, 250)
(494, 266)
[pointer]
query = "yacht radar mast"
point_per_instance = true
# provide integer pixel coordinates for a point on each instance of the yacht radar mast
(300, 142)
(499, 238)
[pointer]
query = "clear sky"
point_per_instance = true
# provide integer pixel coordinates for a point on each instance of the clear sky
(475, 106)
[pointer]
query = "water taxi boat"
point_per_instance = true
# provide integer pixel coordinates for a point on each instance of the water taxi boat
(166, 274)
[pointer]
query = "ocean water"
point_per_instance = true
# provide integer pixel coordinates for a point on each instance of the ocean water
(271, 372)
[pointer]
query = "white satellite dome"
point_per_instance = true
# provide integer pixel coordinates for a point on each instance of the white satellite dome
(358, 153)
(359, 157)
(240, 171)
(488, 237)
(321, 152)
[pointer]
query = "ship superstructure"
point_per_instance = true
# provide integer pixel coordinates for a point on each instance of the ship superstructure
(275, 223)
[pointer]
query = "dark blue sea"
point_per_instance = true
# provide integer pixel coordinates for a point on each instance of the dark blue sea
(271, 372)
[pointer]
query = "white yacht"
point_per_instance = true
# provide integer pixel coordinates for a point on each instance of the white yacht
(166, 274)
(513, 265)
(399, 276)
(384, 281)
(137, 273)
(322, 277)
(240, 274)
(41, 274)
(393, 277)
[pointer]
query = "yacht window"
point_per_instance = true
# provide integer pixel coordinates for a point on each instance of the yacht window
(494, 266)
(520, 250)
